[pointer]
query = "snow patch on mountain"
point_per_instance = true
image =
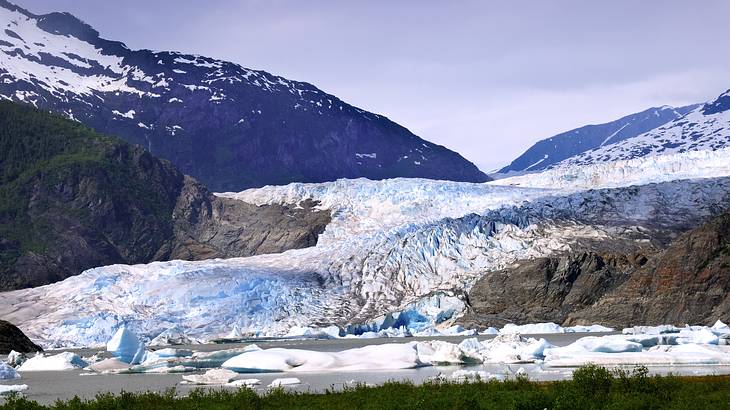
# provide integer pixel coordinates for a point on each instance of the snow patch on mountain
(706, 128)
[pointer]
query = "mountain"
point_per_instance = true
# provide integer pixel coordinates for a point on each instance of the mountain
(228, 126)
(547, 152)
(706, 128)
(72, 199)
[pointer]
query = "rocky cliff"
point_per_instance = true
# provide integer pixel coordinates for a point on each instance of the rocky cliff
(614, 283)
(72, 199)
(11, 338)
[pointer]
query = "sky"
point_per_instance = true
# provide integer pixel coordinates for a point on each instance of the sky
(484, 78)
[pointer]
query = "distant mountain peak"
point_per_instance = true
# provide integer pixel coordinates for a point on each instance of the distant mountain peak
(548, 152)
(704, 128)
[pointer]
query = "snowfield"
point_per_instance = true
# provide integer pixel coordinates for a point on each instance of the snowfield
(398, 254)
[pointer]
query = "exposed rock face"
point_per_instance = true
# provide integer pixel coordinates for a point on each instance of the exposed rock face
(547, 289)
(73, 199)
(688, 282)
(11, 338)
(208, 227)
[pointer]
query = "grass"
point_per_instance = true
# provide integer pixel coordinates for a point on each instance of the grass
(592, 387)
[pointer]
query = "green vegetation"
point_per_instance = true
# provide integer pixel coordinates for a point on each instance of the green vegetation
(592, 387)
(66, 189)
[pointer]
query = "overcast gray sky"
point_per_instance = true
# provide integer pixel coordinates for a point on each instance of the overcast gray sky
(484, 78)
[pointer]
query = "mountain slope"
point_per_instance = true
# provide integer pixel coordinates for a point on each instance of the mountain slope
(12, 338)
(72, 199)
(550, 151)
(686, 283)
(614, 282)
(228, 126)
(705, 128)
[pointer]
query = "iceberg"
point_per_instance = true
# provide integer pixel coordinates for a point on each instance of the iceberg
(126, 346)
(375, 357)
(284, 381)
(536, 328)
(461, 376)
(15, 359)
(244, 383)
(588, 329)
(171, 337)
(61, 361)
(17, 388)
(7, 372)
(214, 376)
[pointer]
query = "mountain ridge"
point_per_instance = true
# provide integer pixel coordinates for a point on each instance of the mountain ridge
(226, 125)
(550, 151)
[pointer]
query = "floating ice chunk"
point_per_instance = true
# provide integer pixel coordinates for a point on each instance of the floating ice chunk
(681, 355)
(437, 352)
(395, 332)
(513, 348)
(330, 332)
(471, 345)
(218, 357)
(165, 354)
(375, 357)
(244, 383)
(532, 328)
(720, 328)
(489, 331)
(457, 330)
(7, 372)
(111, 365)
(719, 325)
(158, 369)
(15, 359)
(214, 376)
(284, 381)
(61, 361)
(474, 375)
(593, 344)
(650, 330)
(430, 332)
(13, 388)
(125, 345)
(701, 336)
(171, 337)
(588, 329)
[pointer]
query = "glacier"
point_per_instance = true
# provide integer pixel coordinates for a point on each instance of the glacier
(398, 253)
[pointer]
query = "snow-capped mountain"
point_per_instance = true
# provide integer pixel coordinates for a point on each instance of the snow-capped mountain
(391, 245)
(545, 153)
(229, 126)
(705, 128)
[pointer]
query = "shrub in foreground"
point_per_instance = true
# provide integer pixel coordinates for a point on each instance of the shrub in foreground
(592, 387)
